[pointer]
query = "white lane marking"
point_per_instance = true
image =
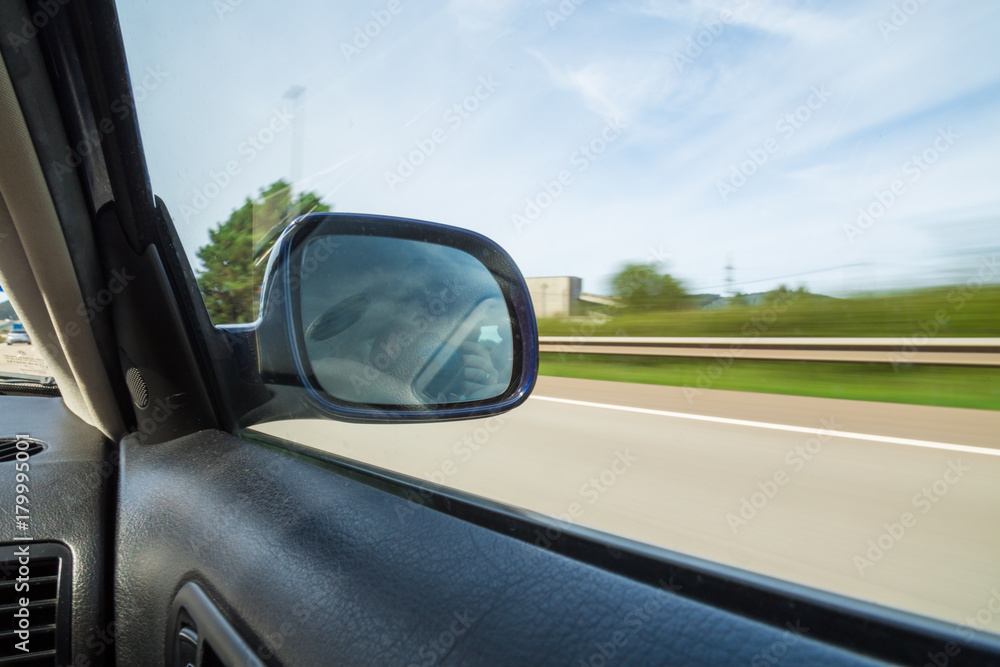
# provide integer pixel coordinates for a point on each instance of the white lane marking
(969, 449)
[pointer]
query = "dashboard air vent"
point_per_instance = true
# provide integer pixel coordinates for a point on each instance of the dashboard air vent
(9, 447)
(42, 625)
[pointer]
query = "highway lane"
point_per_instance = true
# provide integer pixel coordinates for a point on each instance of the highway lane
(901, 511)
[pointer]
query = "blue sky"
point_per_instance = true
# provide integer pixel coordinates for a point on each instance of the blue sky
(671, 97)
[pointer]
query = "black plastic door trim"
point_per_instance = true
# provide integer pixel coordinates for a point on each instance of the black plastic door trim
(211, 631)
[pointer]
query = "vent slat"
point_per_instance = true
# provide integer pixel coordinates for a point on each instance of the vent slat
(44, 584)
(41, 603)
(10, 583)
(39, 590)
(31, 659)
(41, 629)
(9, 450)
(39, 569)
(45, 615)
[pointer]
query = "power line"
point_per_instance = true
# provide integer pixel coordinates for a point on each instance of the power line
(786, 277)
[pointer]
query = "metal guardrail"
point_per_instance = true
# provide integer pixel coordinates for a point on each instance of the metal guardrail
(896, 351)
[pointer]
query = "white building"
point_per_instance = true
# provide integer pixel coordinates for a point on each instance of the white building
(555, 296)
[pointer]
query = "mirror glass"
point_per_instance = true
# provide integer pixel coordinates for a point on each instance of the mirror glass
(391, 321)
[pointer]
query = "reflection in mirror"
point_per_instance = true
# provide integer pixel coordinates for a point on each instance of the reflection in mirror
(399, 322)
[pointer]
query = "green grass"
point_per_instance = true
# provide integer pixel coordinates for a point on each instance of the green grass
(957, 311)
(965, 310)
(948, 386)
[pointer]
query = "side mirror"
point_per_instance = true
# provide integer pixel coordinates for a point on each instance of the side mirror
(386, 319)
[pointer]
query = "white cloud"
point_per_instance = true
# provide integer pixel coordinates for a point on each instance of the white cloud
(657, 186)
(494, 18)
(595, 83)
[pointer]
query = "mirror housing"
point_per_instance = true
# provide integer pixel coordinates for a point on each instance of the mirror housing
(368, 318)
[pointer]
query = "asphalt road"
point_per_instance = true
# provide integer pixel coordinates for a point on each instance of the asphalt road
(890, 503)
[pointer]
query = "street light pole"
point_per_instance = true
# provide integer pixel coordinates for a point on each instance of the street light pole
(296, 94)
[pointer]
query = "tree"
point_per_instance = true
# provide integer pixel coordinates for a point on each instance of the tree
(235, 258)
(784, 293)
(643, 287)
(738, 299)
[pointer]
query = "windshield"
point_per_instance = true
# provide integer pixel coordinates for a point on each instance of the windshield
(20, 359)
(762, 240)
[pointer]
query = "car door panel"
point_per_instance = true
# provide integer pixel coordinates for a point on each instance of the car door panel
(314, 568)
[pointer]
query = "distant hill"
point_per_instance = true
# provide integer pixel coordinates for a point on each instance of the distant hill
(7, 311)
(704, 300)
(755, 299)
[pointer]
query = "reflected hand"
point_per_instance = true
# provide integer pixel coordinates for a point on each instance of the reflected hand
(480, 375)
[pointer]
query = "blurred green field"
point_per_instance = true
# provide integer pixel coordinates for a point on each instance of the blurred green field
(946, 386)
(963, 311)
